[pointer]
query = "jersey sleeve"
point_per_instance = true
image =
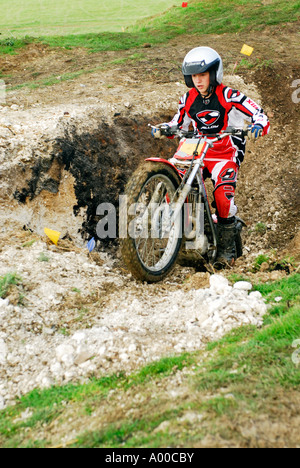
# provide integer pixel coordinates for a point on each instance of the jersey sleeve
(181, 119)
(247, 108)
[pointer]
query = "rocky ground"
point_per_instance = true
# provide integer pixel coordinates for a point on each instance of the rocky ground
(68, 147)
(74, 315)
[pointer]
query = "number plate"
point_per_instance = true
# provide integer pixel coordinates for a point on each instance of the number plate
(187, 148)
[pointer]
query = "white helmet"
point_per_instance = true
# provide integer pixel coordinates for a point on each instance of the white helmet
(200, 60)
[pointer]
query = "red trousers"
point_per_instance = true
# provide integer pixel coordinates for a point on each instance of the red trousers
(223, 173)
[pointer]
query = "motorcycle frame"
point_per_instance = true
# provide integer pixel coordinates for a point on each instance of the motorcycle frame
(195, 172)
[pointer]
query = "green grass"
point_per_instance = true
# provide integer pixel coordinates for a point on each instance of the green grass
(252, 366)
(288, 291)
(51, 17)
(223, 16)
(201, 17)
(43, 257)
(47, 405)
(7, 281)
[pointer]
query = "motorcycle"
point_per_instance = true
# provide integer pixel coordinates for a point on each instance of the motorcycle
(168, 213)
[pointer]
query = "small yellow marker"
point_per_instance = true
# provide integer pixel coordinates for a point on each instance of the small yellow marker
(53, 235)
(247, 50)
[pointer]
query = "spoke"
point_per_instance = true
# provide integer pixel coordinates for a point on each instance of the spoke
(155, 252)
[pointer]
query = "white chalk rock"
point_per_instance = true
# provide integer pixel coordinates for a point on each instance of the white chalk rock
(255, 295)
(4, 303)
(219, 284)
(243, 285)
(65, 354)
(3, 352)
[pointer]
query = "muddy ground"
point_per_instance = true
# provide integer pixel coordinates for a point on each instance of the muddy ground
(67, 147)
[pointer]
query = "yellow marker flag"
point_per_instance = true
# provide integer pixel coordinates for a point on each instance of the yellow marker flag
(53, 235)
(247, 50)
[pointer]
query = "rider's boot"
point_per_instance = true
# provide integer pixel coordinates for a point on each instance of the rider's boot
(226, 238)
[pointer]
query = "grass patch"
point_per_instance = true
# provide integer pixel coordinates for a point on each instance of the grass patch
(29, 243)
(288, 290)
(43, 257)
(47, 405)
(12, 45)
(201, 17)
(74, 16)
(250, 365)
(264, 359)
(259, 261)
(7, 282)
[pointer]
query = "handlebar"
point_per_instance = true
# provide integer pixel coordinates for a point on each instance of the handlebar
(167, 131)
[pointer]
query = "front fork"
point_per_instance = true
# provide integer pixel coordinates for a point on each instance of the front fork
(196, 173)
(176, 208)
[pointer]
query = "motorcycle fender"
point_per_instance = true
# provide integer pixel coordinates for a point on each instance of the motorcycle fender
(165, 161)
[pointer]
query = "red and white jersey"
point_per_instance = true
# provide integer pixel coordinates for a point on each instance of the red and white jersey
(225, 107)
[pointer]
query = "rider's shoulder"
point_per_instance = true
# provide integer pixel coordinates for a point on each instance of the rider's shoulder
(188, 95)
(191, 94)
(221, 88)
(230, 94)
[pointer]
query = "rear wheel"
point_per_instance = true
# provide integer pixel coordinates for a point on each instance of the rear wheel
(152, 245)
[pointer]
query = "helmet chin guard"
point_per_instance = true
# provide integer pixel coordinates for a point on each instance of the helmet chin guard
(201, 60)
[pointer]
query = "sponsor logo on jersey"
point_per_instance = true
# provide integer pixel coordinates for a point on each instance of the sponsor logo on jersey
(252, 103)
(208, 117)
(233, 94)
(228, 174)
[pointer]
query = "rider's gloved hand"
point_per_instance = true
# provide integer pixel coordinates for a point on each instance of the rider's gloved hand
(161, 131)
(156, 133)
(255, 131)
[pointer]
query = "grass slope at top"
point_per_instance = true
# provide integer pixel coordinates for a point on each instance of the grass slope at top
(222, 16)
(201, 17)
(51, 17)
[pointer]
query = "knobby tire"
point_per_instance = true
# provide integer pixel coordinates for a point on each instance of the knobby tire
(134, 190)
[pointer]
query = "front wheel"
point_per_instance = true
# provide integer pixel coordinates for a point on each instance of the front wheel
(152, 244)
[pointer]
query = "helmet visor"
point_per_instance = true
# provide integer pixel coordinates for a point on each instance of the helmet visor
(193, 68)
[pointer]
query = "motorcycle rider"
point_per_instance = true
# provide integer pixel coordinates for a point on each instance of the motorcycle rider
(211, 107)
